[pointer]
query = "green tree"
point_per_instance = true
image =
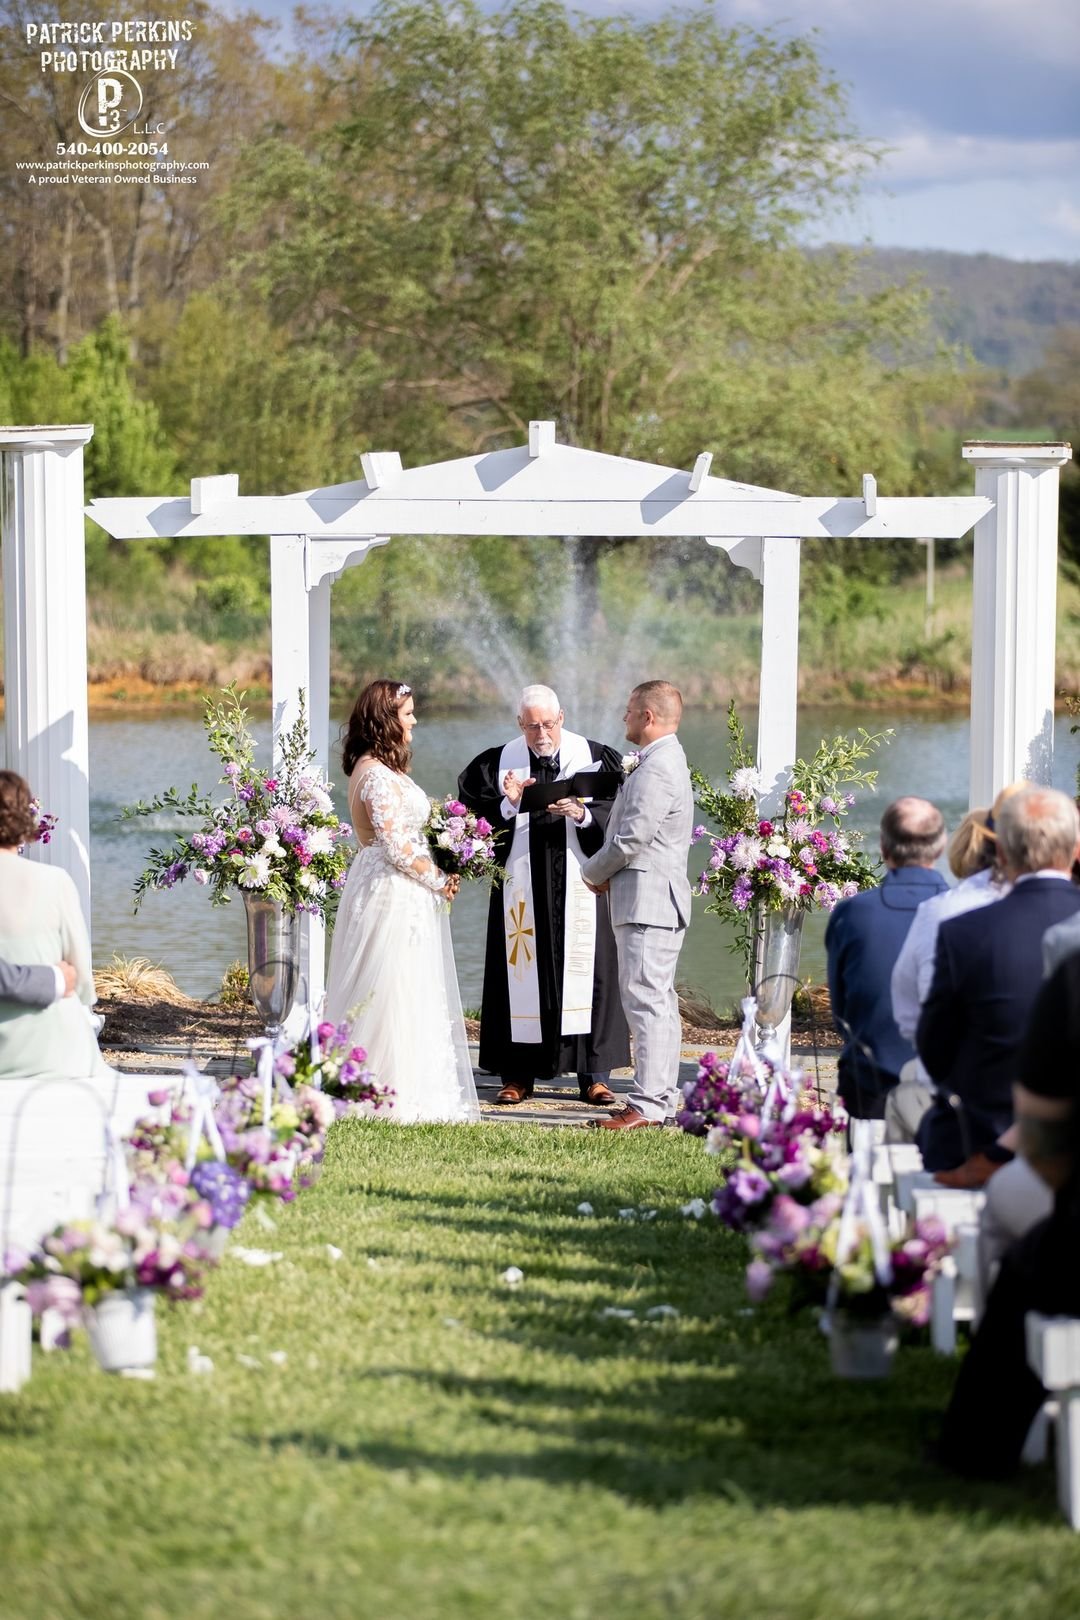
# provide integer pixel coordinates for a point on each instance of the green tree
(532, 213)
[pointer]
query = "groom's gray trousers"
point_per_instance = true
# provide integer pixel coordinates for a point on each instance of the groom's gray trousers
(648, 956)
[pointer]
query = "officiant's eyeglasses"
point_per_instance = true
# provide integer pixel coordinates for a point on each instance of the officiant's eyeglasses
(541, 725)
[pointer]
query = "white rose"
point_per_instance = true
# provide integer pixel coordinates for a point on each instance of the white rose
(778, 849)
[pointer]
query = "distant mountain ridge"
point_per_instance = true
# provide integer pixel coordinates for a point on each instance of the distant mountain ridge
(1004, 310)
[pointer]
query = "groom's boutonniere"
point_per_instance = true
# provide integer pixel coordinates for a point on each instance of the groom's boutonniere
(630, 762)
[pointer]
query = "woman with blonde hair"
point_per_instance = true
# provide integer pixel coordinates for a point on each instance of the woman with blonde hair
(972, 856)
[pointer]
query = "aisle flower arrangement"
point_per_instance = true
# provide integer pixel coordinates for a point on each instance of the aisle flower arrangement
(159, 1243)
(275, 834)
(778, 1142)
(786, 1184)
(801, 857)
(461, 842)
(334, 1066)
(801, 1242)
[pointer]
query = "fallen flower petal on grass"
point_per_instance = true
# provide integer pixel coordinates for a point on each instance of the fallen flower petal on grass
(661, 1310)
(248, 1361)
(254, 1257)
(622, 1312)
(198, 1363)
(585, 1209)
(512, 1276)
(278, 1357)
(628, 1214)
(333, 1253)
(694, 1210)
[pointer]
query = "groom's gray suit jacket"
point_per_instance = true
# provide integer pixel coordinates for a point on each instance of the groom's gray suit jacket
(648, 837)
(33, 986)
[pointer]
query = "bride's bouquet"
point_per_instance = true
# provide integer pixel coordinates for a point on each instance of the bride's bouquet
(461, 843)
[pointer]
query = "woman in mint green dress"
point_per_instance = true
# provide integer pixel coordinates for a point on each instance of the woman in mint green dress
(41, 921)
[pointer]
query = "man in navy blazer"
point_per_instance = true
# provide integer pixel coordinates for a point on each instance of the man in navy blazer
(863, 940)
(987, 973)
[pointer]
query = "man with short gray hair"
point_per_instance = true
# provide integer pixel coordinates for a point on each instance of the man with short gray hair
(864, 937)
(987, 973)
(551, 1001)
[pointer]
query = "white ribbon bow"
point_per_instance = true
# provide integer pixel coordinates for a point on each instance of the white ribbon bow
(269, 1050)
(202, 1090)
(744, 1052)
(862, 1201)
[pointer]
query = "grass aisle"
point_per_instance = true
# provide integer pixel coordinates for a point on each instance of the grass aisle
(439, 1446)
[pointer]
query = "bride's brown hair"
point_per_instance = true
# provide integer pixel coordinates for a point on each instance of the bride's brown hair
(375, 728)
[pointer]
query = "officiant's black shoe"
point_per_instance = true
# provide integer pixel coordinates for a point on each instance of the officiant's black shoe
(627, 1119)
(513, 1092)
(598, 1094)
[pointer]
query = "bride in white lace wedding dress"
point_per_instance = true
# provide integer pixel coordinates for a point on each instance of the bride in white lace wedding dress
(392, 975)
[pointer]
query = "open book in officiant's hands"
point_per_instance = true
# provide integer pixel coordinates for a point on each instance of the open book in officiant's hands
(582, 785)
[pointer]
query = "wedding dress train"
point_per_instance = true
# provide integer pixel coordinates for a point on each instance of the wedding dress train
(392, 976)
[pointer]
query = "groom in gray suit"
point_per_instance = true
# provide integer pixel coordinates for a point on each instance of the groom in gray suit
(642, 865)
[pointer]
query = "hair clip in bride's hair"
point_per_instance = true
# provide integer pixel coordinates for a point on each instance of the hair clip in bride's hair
(404, 690)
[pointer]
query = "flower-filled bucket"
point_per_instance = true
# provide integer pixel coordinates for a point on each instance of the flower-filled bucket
(862, 1347)
(122, 1330)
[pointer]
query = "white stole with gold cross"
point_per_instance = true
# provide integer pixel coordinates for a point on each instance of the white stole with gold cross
(519, 912)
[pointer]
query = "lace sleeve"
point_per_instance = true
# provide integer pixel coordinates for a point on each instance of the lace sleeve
(384, 799)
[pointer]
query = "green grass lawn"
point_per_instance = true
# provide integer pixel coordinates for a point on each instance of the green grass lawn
(440, 1446)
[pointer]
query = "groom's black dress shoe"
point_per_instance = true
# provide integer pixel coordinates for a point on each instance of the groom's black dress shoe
(627, 1119)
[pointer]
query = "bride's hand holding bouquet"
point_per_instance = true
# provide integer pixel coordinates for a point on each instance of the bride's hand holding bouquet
(462, 844)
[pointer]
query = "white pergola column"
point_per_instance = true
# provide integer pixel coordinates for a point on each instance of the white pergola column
(778, 692)
(1014, 602)
(300, 656)
(44, 584)
(301, 574)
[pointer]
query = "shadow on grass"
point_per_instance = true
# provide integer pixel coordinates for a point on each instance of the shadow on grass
(654, 1446)
(718, 1402)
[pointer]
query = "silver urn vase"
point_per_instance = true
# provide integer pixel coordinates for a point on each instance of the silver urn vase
(273, 944)
(775, 966)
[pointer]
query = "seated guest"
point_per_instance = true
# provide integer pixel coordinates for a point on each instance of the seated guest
(1061, 941)
(863, 940)
(36, 986)
(996, 1395)
(972, 860)
(987, 973)
(41, 923)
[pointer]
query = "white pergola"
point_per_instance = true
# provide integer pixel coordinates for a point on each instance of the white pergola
(539, 488)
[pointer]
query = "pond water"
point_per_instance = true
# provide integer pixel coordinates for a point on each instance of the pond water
(133, 758)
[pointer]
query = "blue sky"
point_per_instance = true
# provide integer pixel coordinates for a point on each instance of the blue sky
(978, 102)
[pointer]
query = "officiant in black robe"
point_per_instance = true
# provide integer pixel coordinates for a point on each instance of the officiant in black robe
(544, 752)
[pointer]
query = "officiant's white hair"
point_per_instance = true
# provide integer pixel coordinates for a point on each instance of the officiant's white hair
(538, 697)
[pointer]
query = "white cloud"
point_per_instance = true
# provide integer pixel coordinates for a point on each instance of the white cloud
(1052, 34)
(930, 157)
(1065, 217)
